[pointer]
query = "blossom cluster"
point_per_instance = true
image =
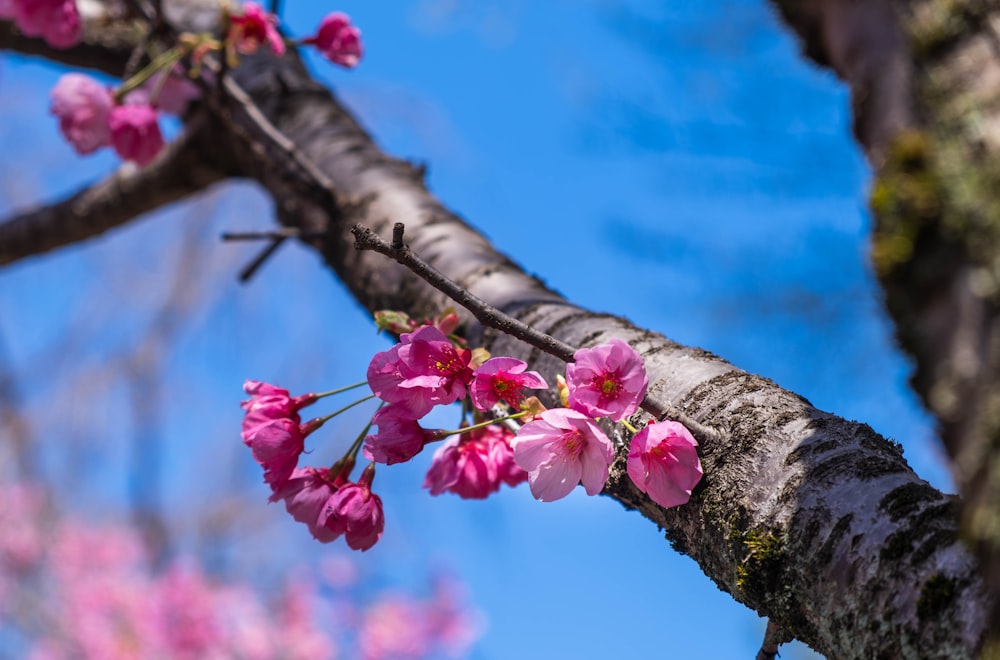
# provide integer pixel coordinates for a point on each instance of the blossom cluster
(554, 450)
(93, 116)
(325, 500)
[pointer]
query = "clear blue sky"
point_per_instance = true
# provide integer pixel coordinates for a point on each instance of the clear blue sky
(684, 168)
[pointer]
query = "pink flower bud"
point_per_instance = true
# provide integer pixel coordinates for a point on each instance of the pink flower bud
(354, 511)
(135, 133)
(399, 436)
(338, 40)
(306, 495)
(253, 29)
(82, 106)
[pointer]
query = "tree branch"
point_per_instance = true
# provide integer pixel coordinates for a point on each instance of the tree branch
(184, 167)
(105, 50)
(925, 81)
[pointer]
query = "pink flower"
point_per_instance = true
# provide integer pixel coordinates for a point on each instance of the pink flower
(502, 378)
(663, 463)
(170, 93)
(422, 371)
(354, 511)
(306, 495)
(7, 9)
(55, 21)
(559, 450)
(399, 437)
(607, 380)
(254, 28)
(472, 465)
(135, 133)
(269, 402)
(272, 430)
(82, 106)
(338, 40)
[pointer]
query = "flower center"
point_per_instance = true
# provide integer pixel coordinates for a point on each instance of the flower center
(608, 385)
(573, 444)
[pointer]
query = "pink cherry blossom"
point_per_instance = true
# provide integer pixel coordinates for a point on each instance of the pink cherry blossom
(473, 465)
(272, 430)
(502, 379)
(607, 381)
(422, 371)
(356, 512)
(135, 133)
(559, 450)
(663, 463)
(306, 494)
(82, 106)
(254, 28)
(269, 402)
(55, 21)
(7, 9)
(399, 437)
(338, 40)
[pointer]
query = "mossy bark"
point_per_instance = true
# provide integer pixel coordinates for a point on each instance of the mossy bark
(935, 203)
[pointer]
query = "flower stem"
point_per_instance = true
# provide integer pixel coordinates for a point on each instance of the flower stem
(346, 388)
(481, 425)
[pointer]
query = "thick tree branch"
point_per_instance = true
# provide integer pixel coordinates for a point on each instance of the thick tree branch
(185, 166)
(105, 50)
(925, 77)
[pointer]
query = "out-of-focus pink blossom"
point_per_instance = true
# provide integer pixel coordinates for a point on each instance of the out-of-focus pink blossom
(607, 381)
(254, 28)
(169, 92)
(472, 465)
(356, 512)
(422, 371)
(399, 437)
(338, 40)
(395, 628)
(502, 379)
(55, 21)
(7, 9)
(21, 544)
(135, 133)
(306, 494)
(82, 106)
(559, 450)
(663, 463)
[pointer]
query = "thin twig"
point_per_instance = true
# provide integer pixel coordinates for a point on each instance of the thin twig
(258, 261)
(271, 234)
(490, 316)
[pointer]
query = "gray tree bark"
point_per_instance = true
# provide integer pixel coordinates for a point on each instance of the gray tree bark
(809, 519)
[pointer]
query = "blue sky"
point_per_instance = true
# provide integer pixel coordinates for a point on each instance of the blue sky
(683, 168)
